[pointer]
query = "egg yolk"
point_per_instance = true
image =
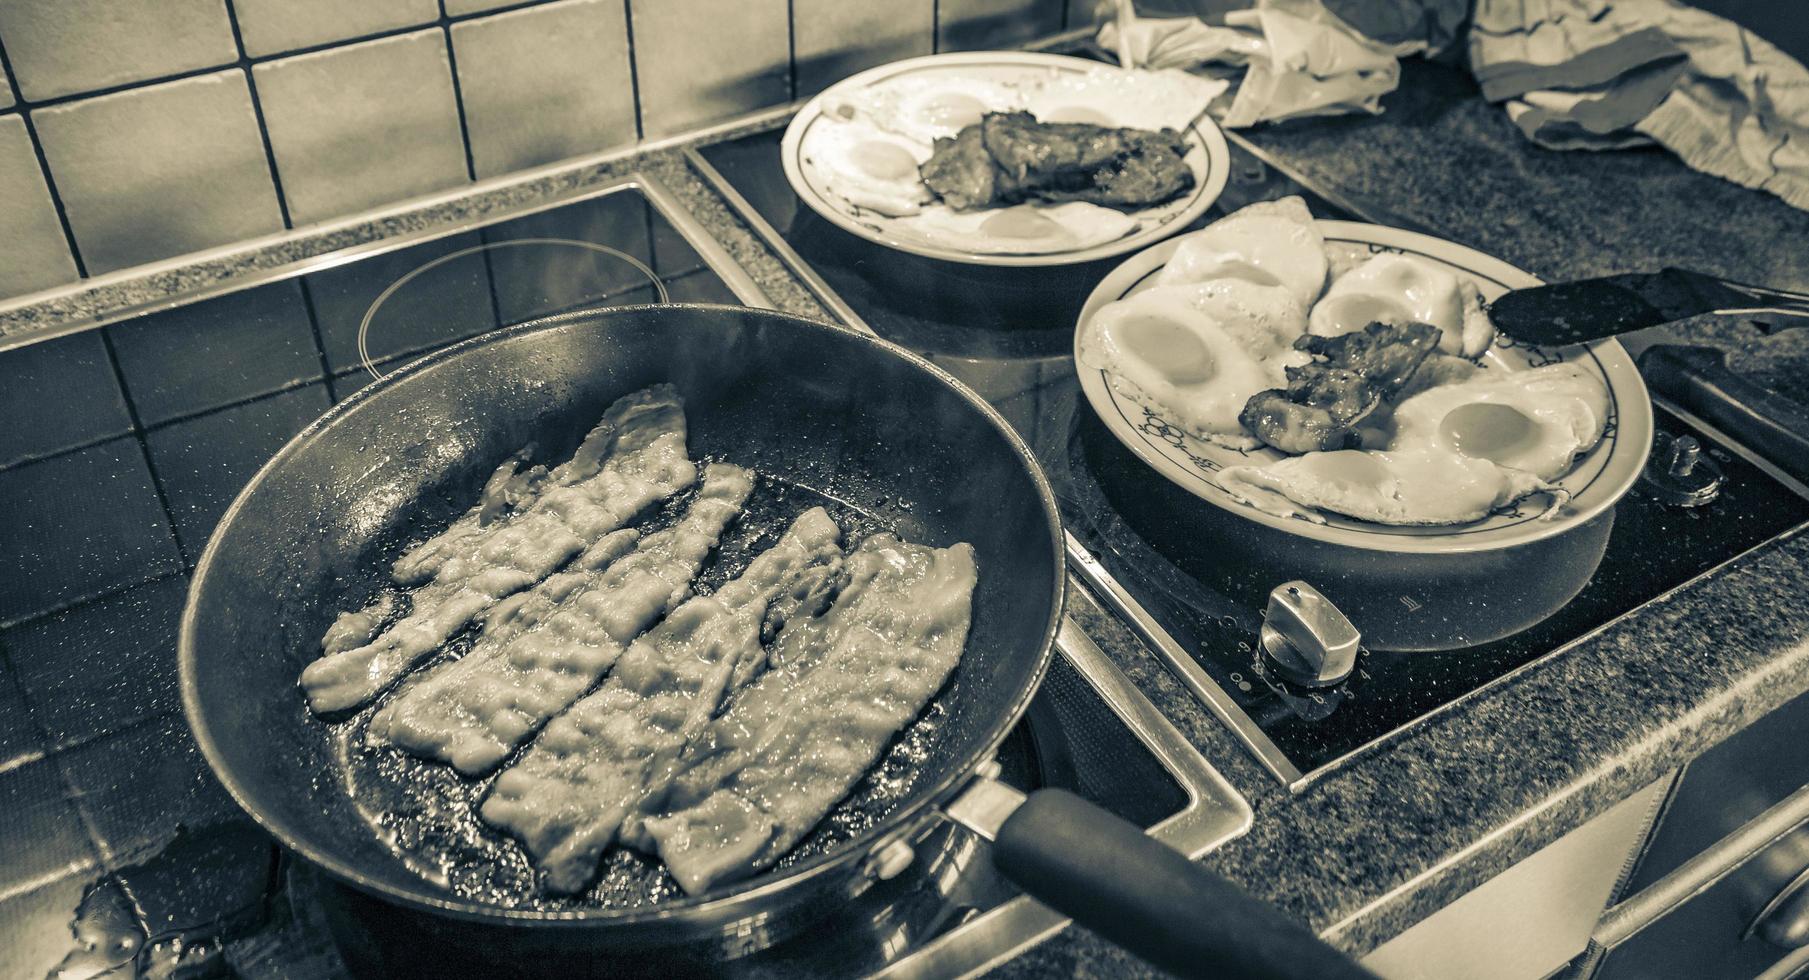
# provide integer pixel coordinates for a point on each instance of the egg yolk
(954, 109)
(887, 161)
(1168, 347)
(1076, 114)
(1020, 223)
(1485, 430)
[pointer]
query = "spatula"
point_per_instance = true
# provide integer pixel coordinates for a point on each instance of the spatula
(1590, 309)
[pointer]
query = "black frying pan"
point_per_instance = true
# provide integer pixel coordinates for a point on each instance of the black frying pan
(819, 412)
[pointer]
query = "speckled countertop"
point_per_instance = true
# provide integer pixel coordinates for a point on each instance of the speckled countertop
(1383, 842)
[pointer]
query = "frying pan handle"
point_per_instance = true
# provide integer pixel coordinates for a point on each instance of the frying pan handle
(1111, 877)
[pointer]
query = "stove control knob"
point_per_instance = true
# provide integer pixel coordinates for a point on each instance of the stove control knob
(1306, 638)
(1678, 475)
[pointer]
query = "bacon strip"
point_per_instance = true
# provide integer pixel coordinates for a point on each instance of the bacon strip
(543, 653)
(473, 565)
(797, 740)
(567, 797)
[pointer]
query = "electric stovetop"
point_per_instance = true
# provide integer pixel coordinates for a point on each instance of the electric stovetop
(1008, 333)
(119, 852)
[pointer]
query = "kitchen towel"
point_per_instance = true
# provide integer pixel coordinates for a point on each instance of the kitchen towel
(1599, 74)
(1303, 59)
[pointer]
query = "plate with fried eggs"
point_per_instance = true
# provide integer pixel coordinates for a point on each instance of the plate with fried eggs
(853, 152)
(1489, 444)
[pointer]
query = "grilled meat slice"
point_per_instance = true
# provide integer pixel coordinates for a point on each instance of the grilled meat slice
(1383, 354)
(1326, 400)
(1291, 426)
(961, 172)
(1128, 168)
(1010, 158)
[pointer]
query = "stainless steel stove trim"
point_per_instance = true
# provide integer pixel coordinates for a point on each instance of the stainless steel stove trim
(715, 257)
(1215, 813)
(770, 236)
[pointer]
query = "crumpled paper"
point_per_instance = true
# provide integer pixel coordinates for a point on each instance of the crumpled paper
(1601, 74)
(1303, 59)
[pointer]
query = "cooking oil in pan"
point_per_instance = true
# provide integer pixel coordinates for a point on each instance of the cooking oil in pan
(426, 813)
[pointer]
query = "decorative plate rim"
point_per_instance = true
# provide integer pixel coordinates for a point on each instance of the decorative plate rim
(1627, 442)
(1203, 134)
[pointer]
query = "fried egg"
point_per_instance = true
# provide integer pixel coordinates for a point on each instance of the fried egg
(1454, 453)
(1270, 243)
(1023, 229)
(1411, 486)
(1536, 421)
(867, 166)
(925, 108)
(1264, 320)
(1399, 289)
(1107, 96)
(1159, 349)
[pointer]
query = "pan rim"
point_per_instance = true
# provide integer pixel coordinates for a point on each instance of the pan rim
(892, 827)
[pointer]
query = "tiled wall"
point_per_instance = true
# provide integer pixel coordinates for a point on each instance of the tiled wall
(137, 130)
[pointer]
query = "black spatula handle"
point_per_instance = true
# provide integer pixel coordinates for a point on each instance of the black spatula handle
(1563, 313)
(1109, 876)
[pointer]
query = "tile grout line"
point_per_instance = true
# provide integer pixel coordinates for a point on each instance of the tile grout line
(496, 317)
(61, 451)
(9, 674)
(653, 252)
(37, 147)
(138, 433)
(634, 70)
(247, 61)
(320, 343)
(791, 47)
(458, 95)
(174, 420)
(110, 592)
(257, 113)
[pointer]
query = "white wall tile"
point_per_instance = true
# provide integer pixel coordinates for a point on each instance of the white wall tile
(701, 61)
(62, 47)
(274, 26)
(161, 170)
(362, 125)
(545, 83)
(835, 38)
(455, 8)
(33, 252)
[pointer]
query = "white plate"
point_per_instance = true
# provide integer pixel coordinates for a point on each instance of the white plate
(1207, 156)
(1595, 481)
